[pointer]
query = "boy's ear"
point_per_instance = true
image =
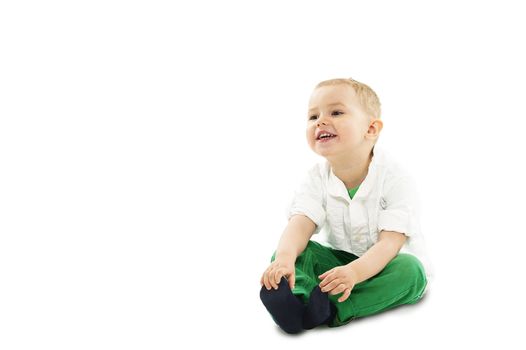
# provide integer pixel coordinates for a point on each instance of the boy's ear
(375, 127)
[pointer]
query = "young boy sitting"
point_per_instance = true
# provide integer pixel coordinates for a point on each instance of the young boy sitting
(367, 206)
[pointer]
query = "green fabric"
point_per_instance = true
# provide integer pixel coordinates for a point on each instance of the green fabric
(402, 281)
(352, 191)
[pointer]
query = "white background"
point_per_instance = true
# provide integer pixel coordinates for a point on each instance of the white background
(148, 152)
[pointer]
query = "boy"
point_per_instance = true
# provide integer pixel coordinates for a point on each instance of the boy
(368, 207)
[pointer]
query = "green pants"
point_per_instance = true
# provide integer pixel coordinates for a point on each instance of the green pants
(402, 281)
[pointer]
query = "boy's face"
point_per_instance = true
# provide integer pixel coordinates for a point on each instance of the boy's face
(337, 110)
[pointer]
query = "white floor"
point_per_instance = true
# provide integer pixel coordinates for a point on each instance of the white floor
(436, 322)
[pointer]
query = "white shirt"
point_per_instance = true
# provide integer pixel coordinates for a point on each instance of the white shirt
(386, 200)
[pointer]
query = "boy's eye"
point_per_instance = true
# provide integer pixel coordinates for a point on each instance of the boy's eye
(314, 116)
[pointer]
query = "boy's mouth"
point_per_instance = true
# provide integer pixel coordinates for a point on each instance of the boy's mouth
(324, 136)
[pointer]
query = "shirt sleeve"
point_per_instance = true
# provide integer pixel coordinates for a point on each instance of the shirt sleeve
(308, 199)
(400, 207)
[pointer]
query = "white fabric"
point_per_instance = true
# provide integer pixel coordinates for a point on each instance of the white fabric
(386, 200)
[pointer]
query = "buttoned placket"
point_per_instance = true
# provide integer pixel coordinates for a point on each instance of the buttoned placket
(355, 214)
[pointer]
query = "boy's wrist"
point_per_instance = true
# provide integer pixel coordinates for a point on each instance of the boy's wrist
(351, 269)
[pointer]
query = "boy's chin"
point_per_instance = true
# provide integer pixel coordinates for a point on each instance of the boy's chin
(325, 154)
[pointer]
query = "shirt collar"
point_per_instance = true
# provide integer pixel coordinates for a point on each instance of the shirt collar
(337, 188)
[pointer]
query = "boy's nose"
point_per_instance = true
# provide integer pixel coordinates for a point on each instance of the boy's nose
(321, 119)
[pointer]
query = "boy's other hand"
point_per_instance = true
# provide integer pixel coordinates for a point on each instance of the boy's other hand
(340, 279)
(277, 269)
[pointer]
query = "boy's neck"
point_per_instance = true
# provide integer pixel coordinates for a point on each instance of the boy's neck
(352, 171)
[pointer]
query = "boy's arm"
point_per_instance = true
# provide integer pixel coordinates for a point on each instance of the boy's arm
(342, 279)
(378, 256)
(292, 243)
(295, 237)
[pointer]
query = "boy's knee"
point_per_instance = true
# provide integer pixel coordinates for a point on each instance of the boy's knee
(411, 268)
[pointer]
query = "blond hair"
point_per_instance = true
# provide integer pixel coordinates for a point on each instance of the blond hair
(367, 97)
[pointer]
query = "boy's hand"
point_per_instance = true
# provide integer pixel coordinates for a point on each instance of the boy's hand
(340, 279)
(277, 269)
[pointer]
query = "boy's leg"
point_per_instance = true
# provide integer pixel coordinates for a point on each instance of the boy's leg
(312, 262)
(402, 281)
(305, 306)
(309, 265)
(286, 310)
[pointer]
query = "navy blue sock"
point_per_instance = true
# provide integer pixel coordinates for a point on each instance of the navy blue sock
(320, 310)
(286, 309)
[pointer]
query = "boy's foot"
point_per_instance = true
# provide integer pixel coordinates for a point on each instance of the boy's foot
(286, 309)
(320, 310)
